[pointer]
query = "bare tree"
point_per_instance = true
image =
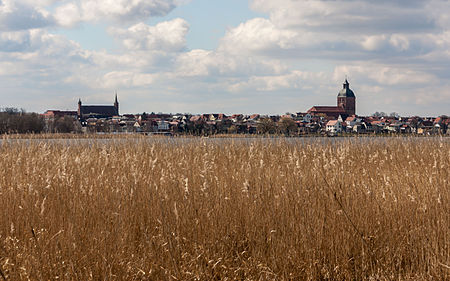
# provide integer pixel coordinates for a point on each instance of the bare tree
(287, 126)
(266, 126)
(13, 120)
(65, 124)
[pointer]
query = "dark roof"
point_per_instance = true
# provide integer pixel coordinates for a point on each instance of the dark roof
(100, 110)
(346, 92)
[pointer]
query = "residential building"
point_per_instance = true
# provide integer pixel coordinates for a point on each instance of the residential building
(334, 126)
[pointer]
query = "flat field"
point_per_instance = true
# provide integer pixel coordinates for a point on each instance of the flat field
(258, 209)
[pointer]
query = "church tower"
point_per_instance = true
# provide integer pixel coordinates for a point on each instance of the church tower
(347, 99)
(79, 108)
(116, 104)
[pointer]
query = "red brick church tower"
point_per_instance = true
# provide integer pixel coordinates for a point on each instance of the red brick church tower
(346, 99)
(346, 104)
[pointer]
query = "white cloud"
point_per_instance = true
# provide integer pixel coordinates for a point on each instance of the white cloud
(292, 80)
(120, 79)
(14, 41)
(386, 76)
(256, 35)
(119, 11)
(38, 42)
(38, 3)
(400, 42)
(375, 42)
(169, 36)
(223, 64)
(15, 15)
(28, 14)
(346, 16)
(68, 15)
(39, 59)
(338, 30)
(195, 63)
(125, 10)
(393, 43)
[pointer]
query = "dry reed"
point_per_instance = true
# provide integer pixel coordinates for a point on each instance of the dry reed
(371, 209)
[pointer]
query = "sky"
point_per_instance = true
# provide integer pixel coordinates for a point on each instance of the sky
(227, 56)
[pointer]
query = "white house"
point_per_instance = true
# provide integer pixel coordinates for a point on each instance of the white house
(163, 126)
(334, 126)
(352, 121)
(137, 127)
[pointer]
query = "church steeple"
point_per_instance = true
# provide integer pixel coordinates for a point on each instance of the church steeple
(79, 108)
(346, 84)
(116, 104)
(347, 99)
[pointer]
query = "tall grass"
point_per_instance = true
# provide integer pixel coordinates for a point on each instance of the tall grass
(225, 210)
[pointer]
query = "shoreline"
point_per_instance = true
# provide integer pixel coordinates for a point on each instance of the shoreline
(218, 136)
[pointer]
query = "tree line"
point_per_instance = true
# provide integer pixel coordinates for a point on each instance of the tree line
(266, 125)
(18, 121)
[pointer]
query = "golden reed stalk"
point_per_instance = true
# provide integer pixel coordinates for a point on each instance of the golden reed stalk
(192, 209)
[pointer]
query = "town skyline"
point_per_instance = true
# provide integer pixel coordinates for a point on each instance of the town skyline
(320, 120)
(258, 56)
(334, 111)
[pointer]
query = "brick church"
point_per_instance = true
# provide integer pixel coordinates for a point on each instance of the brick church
(97, 111)
(346, 104)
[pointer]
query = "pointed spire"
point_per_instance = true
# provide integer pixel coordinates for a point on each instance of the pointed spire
(346, 84)
(116, 104)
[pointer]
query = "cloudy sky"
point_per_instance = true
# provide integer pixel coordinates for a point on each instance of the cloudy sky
(230, 56)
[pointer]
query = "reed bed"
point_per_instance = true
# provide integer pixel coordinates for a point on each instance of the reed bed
(225, 210)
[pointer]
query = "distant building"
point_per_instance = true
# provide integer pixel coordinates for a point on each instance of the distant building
(346, 104)
(334, 126)
(97, 111)
(163, 125)
(54, 114)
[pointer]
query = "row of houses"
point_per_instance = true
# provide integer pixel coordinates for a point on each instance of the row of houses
(289, 124)
(389, 125)
(326, 120)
